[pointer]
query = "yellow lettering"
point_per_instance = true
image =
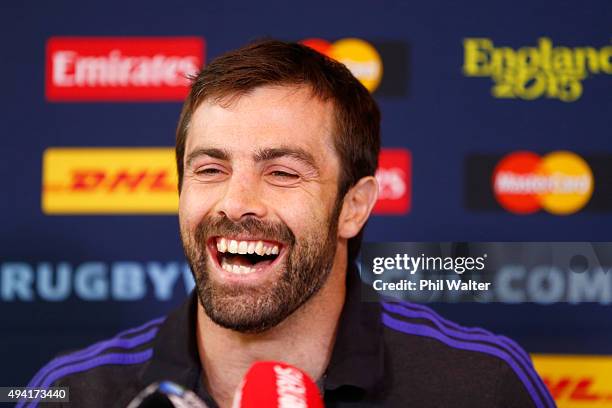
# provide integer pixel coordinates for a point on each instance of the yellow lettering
(605, 56)
(528, 59)
(533, 72)
(545, 45)
(552, 90)
(562, 61)
(570, 89)
(502, 59)
(586, 55)
(476, 56)
(503, 88)
(530, 86)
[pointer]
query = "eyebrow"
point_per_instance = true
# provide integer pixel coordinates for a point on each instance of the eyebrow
(292, 152)
(220, 154)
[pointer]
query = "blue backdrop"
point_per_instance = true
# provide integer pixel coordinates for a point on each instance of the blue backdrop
(439, 113)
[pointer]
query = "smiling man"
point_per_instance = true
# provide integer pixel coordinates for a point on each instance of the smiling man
(276, 151)
(268, 206)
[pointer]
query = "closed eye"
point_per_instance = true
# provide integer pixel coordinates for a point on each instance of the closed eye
(284, 174)
(208, 171)
(211, 173)
(283, 178)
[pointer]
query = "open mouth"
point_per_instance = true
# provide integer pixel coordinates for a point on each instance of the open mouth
(245, 256)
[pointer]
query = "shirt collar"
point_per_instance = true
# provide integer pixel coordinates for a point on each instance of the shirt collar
(357, 357)
(175, 351)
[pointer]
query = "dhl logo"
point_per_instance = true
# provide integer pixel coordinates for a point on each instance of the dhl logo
(577, 381)
(125, 180)
(91, 180)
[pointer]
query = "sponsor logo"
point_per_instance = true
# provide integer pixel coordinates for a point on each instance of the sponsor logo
(365, 60)
(560, 182)
(144, 181)
(106, 180)
(359, 56)
(121, 69)
(577, 381)
(523, 182)
(394, 176)
(541, 71)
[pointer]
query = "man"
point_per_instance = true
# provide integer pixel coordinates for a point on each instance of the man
(276, 151)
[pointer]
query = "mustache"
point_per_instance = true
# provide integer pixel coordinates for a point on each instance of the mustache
(223, 226)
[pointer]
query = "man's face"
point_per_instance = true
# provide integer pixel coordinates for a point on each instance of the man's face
(258, 208)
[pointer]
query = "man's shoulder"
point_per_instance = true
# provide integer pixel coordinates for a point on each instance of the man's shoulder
(115, 363)
(439, 353)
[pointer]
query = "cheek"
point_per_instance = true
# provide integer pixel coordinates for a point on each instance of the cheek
(305, 216)
(193, 206)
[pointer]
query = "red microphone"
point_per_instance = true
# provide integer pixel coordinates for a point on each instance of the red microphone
(271, 384)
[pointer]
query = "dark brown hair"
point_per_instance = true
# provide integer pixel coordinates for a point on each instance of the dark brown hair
(271, 62)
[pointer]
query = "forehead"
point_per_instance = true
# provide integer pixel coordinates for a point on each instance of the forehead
(265, 117)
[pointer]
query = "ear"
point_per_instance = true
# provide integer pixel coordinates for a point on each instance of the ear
(356, 207)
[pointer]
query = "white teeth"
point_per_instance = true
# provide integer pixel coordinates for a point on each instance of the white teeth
(221, 245)
(237, 269)
(246, 247)
(243, 247)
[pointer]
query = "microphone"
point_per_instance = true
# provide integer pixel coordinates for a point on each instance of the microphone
(271, 384)
(166, 394)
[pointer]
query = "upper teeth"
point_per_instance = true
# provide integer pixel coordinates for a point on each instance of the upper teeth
(246, 247)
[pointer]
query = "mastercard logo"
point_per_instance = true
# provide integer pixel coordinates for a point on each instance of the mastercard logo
(560, 182)
(359, 56)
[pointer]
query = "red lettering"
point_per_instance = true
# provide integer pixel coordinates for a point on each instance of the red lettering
(86, 180)
(160, 182)
(91, 180)
(581, 391)
(557, 389)
(131, 181)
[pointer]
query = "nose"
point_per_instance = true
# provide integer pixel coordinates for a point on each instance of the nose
(242, 198)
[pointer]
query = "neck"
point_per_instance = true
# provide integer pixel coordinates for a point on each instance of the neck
(305, 340)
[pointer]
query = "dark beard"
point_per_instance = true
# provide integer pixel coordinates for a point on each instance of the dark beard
(256, 309)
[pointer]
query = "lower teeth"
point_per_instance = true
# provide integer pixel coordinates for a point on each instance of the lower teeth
(237, 269)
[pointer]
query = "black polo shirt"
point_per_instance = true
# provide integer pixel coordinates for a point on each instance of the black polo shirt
(385, 354)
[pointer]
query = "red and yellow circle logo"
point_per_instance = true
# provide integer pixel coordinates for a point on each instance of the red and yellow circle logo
(359, 56)
(560, 182)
